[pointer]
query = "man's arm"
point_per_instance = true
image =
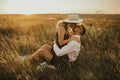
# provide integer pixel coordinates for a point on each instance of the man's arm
(71, 46)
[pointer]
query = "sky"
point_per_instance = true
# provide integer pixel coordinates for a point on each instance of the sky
(59, 6)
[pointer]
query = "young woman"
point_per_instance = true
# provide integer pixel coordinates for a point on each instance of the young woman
(62, 38)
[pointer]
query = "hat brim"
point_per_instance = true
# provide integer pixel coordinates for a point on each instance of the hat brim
(73, 21)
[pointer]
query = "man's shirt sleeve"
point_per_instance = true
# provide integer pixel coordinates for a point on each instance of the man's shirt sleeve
(71, 46)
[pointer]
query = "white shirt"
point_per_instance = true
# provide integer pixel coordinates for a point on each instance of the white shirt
(71, 49)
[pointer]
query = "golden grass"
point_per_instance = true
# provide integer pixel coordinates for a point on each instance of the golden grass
(22, 35)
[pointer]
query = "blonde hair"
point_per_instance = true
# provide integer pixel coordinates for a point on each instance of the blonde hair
(62, 23)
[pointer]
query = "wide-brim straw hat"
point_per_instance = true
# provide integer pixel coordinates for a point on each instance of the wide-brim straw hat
(73, 18)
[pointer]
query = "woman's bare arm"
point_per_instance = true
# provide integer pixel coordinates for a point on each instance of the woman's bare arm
(61, 31)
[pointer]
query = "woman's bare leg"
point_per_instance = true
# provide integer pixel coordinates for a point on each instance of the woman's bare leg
(40, 53)
(46, 46)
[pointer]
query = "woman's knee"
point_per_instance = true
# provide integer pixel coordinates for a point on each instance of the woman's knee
(46, 46)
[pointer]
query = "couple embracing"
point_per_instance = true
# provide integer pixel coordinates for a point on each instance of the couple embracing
(65, 48)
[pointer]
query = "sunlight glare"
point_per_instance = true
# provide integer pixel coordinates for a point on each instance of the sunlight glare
(22, 6)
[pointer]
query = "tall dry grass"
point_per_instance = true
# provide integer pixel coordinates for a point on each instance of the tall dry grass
(23, 35)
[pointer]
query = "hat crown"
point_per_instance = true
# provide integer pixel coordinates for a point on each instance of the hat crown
(73, 17)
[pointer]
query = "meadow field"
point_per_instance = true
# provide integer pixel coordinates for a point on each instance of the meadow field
(21, 35)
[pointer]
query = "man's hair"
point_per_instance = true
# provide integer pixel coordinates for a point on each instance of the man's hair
(83, 30)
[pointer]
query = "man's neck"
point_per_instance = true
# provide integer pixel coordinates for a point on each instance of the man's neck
(76, 33)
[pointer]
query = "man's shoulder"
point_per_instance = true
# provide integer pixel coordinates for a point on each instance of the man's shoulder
(73, 42)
